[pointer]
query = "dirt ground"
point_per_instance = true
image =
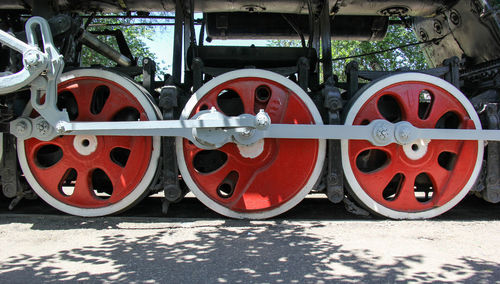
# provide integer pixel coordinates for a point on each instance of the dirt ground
(192, 245)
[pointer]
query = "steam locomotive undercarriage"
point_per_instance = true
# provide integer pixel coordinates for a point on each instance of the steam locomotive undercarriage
(250, 131)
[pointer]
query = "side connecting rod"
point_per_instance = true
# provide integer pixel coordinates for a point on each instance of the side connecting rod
(211, 129)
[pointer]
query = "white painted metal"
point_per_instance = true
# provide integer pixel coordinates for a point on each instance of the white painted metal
(257, 74)
(369, 91)
(204, 128)
(34, 61)
(252, 151)
(141, 189)
(85, 144)
(417, 149)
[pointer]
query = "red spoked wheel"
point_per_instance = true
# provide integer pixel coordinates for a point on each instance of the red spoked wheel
(424, 178)
(268, 177)
(90, 175)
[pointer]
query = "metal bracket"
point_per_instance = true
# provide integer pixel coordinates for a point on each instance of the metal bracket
(197, 67)
(34, 61)
(49, 62)
(11, 185)
(352, 73)
(303, 72)
(491, 193)
(148, 74)
(334, 177)
(170, 181)
(453, 75)
(8, 172)
(1, 147)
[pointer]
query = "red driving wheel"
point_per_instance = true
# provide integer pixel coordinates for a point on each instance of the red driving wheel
(94, 175)
(424, 177)
(264, 179)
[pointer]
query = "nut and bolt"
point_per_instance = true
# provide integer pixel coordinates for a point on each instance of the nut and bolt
(492, 180)
(172, 193)
(43, 127)
(246, 132)
(438, 27)
(262, 120)
(21, 127)
(60, 128)
(382, 133)
(32, 58)
(9, 190)
(332, 179)
(423, 35)
(403, 134)
(334, 103)
(455, 17)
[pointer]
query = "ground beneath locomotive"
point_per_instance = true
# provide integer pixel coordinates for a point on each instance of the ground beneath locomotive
(316, 241)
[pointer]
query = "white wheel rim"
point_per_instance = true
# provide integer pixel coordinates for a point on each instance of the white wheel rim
(140, 190)
(366, 94)
(256, 73)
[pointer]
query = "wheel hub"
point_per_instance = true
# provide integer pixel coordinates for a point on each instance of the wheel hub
(85, 144)
(417, 149)
(251, 151)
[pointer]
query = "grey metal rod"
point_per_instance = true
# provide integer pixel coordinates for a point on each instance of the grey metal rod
(286, 131)
(101, 47)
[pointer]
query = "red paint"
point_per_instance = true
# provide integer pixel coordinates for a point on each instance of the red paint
(447, 184)
(276, 175)
(124, 179)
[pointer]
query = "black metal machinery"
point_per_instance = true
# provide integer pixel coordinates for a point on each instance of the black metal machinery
(293, 85)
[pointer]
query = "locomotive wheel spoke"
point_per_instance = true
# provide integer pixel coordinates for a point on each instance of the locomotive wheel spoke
(422, 179)
(95, 175)
(53, 175)
(82, 193)
(406, 196)
(244, 90)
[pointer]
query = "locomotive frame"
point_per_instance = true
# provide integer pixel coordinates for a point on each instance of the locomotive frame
(251, 131)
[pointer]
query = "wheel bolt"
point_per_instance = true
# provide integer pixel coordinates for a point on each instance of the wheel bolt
(382, 133)
(21, 127)
(32, 58)
(262, 120)
(43, 127)
(247, 132)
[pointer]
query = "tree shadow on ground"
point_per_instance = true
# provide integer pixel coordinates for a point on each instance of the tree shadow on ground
(233, 252)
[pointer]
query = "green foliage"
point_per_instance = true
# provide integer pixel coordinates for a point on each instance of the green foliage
(134, 36)
(411, 57)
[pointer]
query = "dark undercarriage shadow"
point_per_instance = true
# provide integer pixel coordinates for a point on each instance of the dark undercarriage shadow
(315, 207)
